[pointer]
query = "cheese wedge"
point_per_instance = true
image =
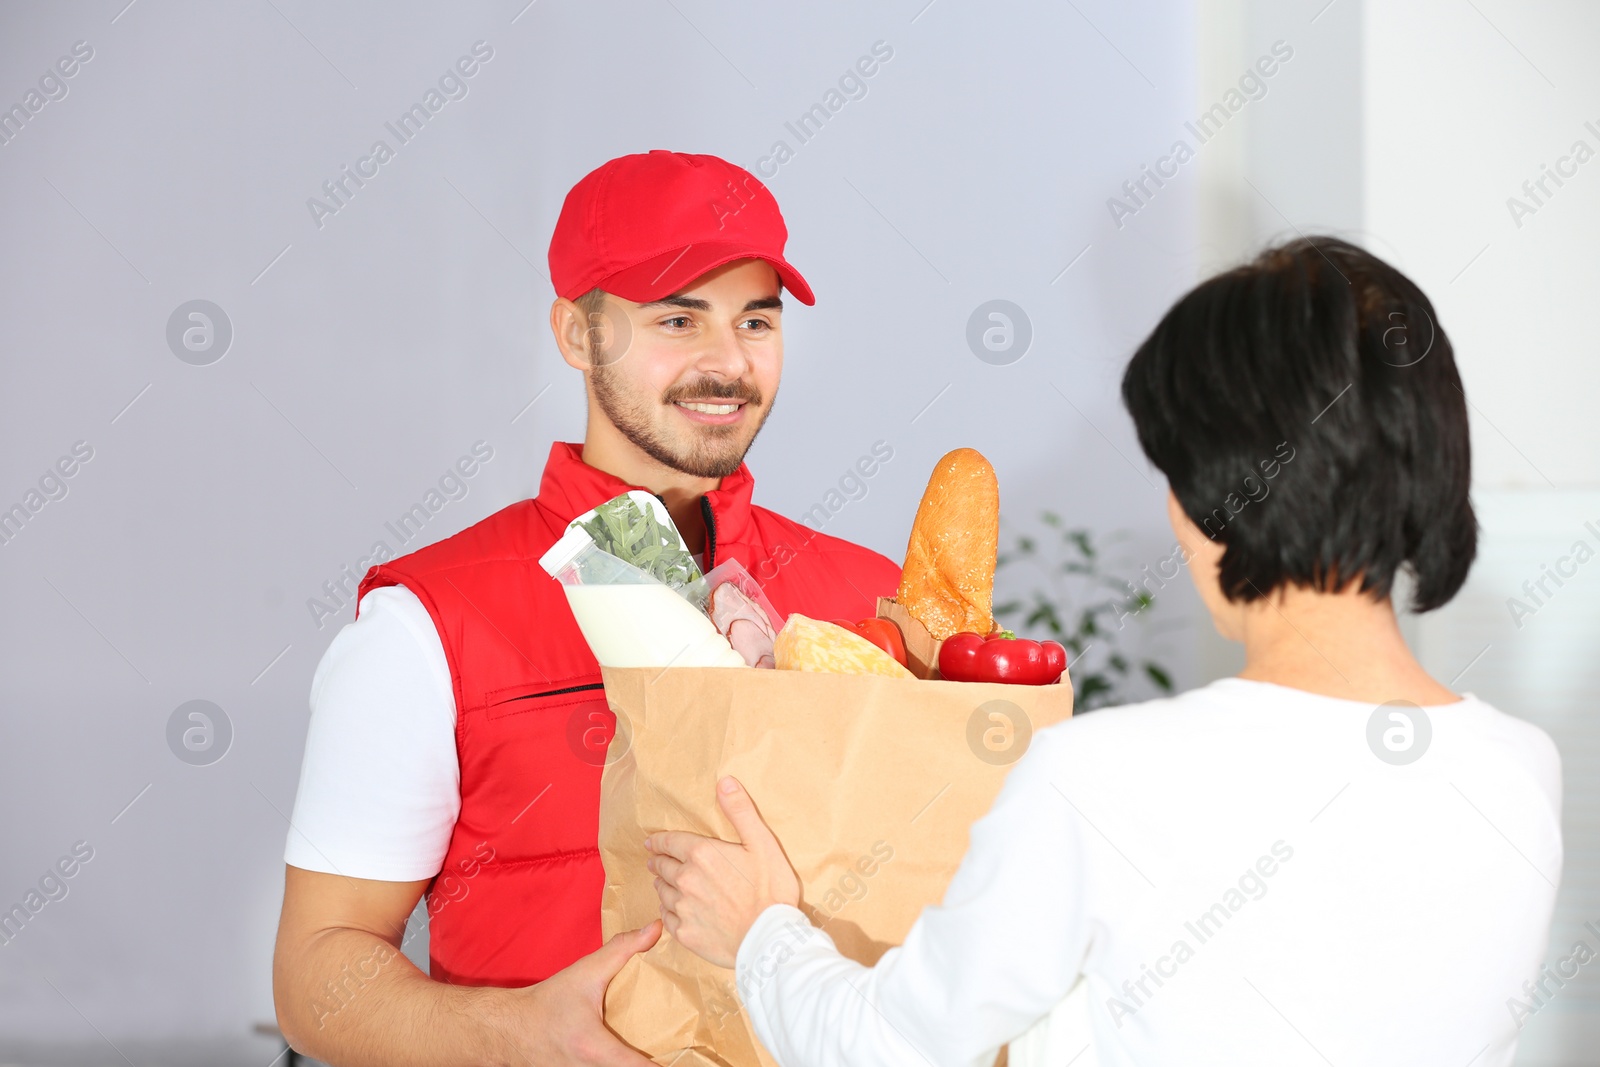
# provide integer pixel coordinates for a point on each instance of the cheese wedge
(811, 645)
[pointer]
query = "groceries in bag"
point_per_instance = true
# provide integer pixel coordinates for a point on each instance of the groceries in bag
(947, 583)
(944, 606)
(811, 645)
(736, 611)
(1001, 656)
(864, 763)
(881, 632)
(641, 600)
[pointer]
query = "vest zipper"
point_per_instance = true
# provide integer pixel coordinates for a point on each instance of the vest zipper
(711, 532)
(557, 692)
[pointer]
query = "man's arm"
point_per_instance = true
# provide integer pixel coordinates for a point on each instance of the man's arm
(346, 995)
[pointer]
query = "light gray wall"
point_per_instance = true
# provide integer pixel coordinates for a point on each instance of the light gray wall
(1501, 95)
(1288, 161)
(369, 352)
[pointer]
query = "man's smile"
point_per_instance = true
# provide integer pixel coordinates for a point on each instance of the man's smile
(711, 412)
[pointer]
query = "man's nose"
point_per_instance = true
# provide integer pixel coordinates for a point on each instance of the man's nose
(723, 356)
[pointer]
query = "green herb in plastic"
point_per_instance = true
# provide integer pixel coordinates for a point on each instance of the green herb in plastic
(632, 534)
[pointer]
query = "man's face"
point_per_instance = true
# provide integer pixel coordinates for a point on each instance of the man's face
(697, 371)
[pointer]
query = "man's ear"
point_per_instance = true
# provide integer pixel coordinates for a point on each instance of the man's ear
(587, 338)
(568, 323)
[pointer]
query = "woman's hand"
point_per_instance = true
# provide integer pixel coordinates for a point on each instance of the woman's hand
(712, 891)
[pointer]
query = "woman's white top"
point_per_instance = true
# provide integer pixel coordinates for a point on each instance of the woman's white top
(1243, 874)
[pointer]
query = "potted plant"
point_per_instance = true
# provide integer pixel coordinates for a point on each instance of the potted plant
(1091, 628)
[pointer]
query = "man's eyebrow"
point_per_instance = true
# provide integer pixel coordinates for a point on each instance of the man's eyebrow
(689, 302)
(696, 304)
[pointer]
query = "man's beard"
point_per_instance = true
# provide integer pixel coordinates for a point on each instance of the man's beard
(716, 451)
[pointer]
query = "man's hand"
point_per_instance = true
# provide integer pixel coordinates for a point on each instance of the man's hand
(560, 1020)
(712, 891)
(347, 996)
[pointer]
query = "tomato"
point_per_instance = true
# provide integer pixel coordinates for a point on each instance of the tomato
(881, 632)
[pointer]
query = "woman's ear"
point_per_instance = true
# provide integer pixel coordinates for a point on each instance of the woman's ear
(1204, 558)
(1194, 541)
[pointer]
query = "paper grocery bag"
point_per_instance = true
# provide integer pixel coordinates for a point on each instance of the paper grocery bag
(869, 783)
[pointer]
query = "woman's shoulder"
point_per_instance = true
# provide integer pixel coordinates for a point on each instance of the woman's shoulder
(1501, 736)
(1235, 720)
(1204, 709)
(1145, 737)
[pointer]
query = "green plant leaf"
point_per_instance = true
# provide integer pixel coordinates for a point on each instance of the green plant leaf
(1043, 612)
(1071, 565)
(636, 536)
(1090, 686)
(1158, 676)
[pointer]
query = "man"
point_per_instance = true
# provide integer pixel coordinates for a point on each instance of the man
(459, 726)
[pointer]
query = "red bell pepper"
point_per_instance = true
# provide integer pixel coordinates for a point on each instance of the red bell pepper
(881, 632)
(1001, 657)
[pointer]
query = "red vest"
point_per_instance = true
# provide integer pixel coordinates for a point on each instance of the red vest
(518, 897)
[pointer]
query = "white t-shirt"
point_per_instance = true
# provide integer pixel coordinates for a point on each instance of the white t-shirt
(1239, 879)
(380, 785)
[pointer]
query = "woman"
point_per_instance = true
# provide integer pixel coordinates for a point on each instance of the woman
(1330, 858)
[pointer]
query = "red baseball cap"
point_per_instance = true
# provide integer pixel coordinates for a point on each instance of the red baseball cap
(645, 226)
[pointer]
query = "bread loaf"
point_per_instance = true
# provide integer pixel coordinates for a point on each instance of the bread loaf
(947, 583)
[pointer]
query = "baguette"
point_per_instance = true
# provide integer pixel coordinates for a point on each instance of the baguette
(947, 583)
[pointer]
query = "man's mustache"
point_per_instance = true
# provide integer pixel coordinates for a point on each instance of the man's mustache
(708, 390)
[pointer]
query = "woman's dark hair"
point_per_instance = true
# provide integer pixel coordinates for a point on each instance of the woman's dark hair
(1307, 413)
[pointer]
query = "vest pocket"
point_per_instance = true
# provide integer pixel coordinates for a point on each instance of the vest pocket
(578, 710)
(531, 758)
(519, 698)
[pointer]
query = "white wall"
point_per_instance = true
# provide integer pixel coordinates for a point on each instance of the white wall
(1465, 102)
(369, 353)
(1406, 125)
(1288, 161)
